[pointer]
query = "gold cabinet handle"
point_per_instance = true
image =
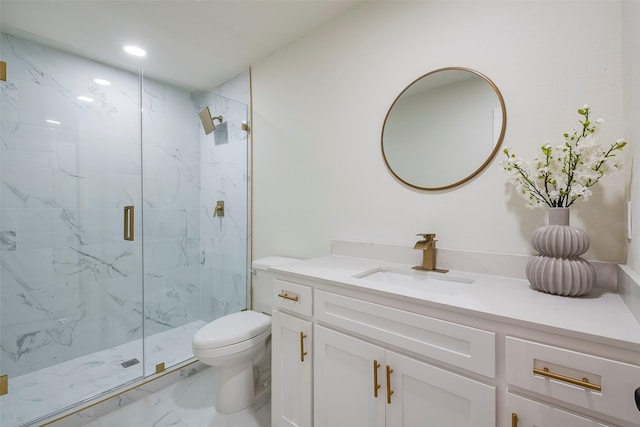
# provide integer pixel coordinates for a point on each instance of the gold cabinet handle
(514, 419)
(376, 386)
(128, 222)
(389, 391)
(582, 383)
(285, 295)
(302, 352)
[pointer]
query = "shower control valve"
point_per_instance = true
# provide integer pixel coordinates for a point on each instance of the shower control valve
(218, 210)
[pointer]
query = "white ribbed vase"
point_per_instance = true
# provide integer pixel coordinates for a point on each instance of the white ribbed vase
(558, 269)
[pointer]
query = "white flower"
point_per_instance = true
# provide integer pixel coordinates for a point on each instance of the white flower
(565, 172)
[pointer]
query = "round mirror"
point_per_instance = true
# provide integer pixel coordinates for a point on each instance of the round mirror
(443, 128)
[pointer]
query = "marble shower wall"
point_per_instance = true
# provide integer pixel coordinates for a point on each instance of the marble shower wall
(171, 205)
(224, 240)
(70, 285)
(195, 264)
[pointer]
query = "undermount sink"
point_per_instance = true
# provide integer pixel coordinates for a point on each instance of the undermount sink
(398, 276)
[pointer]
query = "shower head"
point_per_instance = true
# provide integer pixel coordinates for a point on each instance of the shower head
(207, 120)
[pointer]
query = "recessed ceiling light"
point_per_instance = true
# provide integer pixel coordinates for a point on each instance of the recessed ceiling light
(85, 99)
(102, 82)
(135, 50)
(53, 122)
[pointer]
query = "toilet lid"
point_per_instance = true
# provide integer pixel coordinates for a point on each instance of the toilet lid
(231, 329)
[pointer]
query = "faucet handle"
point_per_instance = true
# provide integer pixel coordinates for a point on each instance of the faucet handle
(427, 236)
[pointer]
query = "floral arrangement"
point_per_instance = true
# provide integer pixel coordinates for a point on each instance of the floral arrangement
(563, 174)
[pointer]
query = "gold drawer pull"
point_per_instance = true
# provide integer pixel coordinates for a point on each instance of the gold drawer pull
(582, 383)
(302, 352)
(289, 297)
(389, 391)
(376, 386)
(514, 419)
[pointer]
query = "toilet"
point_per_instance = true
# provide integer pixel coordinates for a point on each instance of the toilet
(235, 343)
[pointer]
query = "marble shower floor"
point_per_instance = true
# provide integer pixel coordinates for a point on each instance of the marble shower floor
(49, 390)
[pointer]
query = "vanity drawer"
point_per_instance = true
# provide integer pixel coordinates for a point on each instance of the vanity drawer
(529, 413)
(603, 385)
(292, 297)
(458, 345)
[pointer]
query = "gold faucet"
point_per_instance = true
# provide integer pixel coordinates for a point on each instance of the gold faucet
(428, 248)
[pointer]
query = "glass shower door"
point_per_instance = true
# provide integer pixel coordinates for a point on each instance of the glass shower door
(70, 247)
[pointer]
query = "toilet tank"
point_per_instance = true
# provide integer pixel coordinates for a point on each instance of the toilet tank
(263, 279)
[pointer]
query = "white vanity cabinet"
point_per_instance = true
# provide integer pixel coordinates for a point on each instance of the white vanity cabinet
(489, 354)
(362, 377)
(359, 384)
(292, 356)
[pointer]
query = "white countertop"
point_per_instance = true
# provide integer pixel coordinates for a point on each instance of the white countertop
(601, 316)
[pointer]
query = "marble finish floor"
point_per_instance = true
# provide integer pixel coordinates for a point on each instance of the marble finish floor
(188, 402)
(53, 389)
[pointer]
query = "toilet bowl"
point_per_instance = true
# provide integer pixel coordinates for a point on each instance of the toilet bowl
(234, 343)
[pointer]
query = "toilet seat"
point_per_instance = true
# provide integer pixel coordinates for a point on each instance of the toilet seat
(231, 329)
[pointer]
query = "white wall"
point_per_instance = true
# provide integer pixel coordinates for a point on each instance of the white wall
(631, 46)
(319, 105)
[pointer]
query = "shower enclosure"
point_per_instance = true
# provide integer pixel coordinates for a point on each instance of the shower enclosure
(110, 255)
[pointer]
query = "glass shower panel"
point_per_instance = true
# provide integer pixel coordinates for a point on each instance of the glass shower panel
(71, 285)
(171, 180)
(224, 246)
(195, 265)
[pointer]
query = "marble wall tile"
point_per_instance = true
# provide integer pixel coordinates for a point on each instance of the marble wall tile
(62, 192)
(69, 284)
(224, 240)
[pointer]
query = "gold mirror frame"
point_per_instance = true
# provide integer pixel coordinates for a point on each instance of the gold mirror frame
(495, 150)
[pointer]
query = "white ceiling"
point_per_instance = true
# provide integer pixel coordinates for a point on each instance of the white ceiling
(193, 43)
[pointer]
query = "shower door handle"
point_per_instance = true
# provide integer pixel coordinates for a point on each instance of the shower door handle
(128, 222)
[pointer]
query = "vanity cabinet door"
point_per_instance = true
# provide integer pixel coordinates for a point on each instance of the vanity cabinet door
(291, 366)
(425, 395)
(360, 384)
(523, 412)
(345, 389)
